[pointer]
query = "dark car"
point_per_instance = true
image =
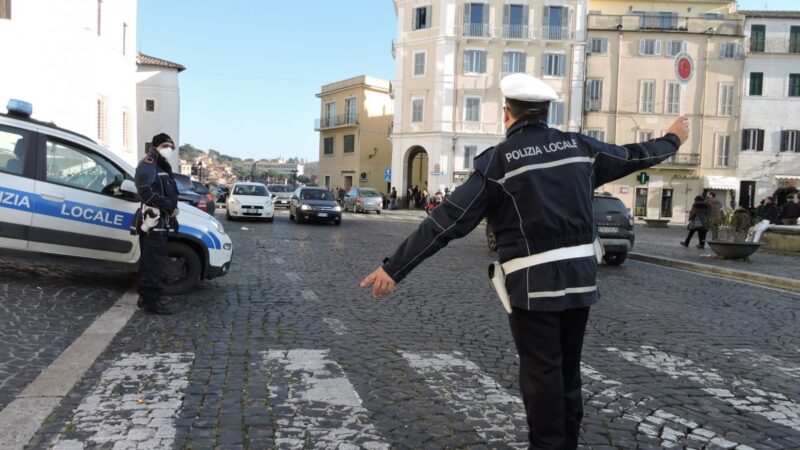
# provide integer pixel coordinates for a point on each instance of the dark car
(202, 190)
(221, 194)
(281, 194)
(614, 228)
(187, 195)
(313, 203)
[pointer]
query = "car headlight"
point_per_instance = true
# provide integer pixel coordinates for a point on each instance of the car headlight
(337, 208)
(218, 225)
(305, 208)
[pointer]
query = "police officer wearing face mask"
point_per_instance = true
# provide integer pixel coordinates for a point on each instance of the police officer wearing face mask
(159, 195)
(535, 189)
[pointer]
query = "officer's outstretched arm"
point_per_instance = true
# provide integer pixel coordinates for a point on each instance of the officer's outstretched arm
(459, 214)
(145, 178)
(612, 162)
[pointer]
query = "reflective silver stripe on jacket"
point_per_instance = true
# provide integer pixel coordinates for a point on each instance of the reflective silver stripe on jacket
(547, 165)
(578, 251)
(575, 290)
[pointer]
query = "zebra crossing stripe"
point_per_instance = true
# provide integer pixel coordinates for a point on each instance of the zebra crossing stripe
(309, 392)
(497, 416)
(761, 360)
(746, 396)
(669, 428)
(133, 405)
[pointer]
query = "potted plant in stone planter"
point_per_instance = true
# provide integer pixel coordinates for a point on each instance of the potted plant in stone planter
(732, 242)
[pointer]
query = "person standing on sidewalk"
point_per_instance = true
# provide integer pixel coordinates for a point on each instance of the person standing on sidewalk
(715, 217)
(791, 211)
(393, 199)
(158, 191)
(535, 189)
(698, 222)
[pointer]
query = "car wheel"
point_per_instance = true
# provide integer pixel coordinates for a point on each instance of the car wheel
(270, 219)
(614, 258)
(491, 238)
(337, 222)
(378, 211)
(182, 269)
(298, 219)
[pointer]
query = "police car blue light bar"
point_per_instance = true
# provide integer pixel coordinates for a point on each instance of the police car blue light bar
(19, 108)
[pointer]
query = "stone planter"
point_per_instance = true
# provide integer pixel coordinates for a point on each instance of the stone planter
(733, 250)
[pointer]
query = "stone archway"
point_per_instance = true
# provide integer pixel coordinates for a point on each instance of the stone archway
(416, 168)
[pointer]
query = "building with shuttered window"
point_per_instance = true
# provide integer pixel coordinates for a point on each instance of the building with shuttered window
(632, 95)
(770, 136)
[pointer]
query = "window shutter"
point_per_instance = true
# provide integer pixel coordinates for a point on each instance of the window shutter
(465, 69)
(545, 57)
(658, 47)
(506, 68)
(642, 44)
(483, 61)
(507, 16)
(546, 17)
(525, 20)
(428, 16)
(744, 139)
(738, 50)
(759, 140)
(565, 20)
(415, 20)
(685, 46)
(523, 62)
(485, 31)
(604, 46)
(722, 48)
(467, 7)
(784, 141)
(562, 65)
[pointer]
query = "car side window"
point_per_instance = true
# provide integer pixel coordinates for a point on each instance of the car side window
(78, 168)
(12, 149)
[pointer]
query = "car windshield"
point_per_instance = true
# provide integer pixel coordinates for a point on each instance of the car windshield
(370, 193)
(608, 205)
(199, 187)
(279, 188)
(251, 189)
(316, 194)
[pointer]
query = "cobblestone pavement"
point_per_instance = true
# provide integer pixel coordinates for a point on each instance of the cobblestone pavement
(287, 352)
(42, 311)
(666, 242)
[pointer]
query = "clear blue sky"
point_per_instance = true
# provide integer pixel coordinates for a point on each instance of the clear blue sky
(253, 66)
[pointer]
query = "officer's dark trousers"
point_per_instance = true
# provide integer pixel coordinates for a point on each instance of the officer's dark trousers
(153, 247)
(549, 346)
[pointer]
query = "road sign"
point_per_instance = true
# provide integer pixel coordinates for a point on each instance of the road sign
(684, 67)
(387, 175)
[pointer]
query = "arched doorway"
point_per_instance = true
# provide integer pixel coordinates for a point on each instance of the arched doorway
(417, 168)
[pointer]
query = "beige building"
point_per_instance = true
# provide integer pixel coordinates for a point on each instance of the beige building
(632, 95)
(450, 56)
(354, 124)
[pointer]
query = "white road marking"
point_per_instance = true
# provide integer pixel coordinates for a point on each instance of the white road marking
(470, 391)
(278, 260)
(746, 396)
(316, 389)
(134, 403)
(309, 295)
(760, 360)
(670, 429)
(336, 326)
(293, 277)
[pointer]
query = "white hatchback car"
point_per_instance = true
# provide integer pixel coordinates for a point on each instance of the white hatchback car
(250, 200)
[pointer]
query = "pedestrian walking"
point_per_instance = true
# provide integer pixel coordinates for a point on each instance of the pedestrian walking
(342, 193)
(535, 189)
(156, 219)
(698, 222)
(446, 192)
(715, 217)
(393, 199)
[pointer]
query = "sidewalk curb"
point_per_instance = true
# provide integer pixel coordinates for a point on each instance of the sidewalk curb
(740, 275)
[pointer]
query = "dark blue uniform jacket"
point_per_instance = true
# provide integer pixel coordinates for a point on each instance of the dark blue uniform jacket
(156, 186)
(535, 189)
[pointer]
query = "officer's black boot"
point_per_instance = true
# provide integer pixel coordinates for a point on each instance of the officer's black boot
(157, 307)
(140, 302)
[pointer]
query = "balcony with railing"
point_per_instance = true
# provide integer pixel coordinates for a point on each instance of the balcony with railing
(515, 31)
(476, 29)
(556, 33)
(683, 160)
(773, 45)
(635, 22)
(593, 104)
(342, 120)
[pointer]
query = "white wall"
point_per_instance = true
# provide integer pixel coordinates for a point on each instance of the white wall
(53, 58)
(161, 85)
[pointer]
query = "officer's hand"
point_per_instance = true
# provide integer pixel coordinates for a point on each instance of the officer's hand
(382, 283)
(175, 212)
(680, 128)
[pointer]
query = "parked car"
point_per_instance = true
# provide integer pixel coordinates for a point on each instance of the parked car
(250, 200)
(221, 194)
(201, 189)
(187, 195)
(281, 194)
(314, 203)
(614, 224)
(363, 200)
(69, 201)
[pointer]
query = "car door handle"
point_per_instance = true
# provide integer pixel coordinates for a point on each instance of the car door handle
(53, 197)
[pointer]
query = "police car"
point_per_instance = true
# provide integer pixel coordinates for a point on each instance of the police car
(64, 196)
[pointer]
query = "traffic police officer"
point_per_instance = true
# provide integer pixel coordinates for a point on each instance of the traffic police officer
(158, 190)
(535, 189)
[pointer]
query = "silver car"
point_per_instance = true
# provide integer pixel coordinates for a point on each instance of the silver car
(363, 200)
(281, 194)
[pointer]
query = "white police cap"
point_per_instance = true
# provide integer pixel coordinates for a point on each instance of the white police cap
(526, 88)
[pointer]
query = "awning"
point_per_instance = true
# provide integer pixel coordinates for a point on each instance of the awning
(717, 182)
(787, 177)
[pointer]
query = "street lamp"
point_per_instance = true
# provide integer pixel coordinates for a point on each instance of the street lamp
(294, 178)
(200, 171)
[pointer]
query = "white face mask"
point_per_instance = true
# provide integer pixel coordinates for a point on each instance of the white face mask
(166, 152)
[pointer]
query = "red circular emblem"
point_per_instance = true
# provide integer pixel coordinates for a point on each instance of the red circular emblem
(684, 68)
